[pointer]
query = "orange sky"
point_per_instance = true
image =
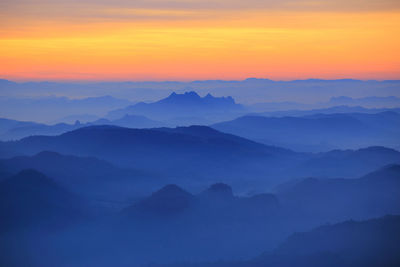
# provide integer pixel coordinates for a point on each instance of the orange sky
(91, 40)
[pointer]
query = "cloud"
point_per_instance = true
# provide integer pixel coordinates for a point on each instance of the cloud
(19, 14)
(144, 9)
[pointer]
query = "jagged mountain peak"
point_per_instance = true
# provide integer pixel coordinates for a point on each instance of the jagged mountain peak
(182, 105)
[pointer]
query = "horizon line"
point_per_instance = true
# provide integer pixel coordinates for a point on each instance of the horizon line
(22, 81)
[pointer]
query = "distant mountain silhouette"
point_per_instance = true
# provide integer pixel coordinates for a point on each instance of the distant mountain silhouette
(319, 132)
(306, 110)
(369, 102)
(250, 90)
(71, 119)
(187, 108)
(31, 199)
(6, 124)
(14, 130)
(50, 108)
(130, 121)
(348, 163)
(338, 104)
(22, 130)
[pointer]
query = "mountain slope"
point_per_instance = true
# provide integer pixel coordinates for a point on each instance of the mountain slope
(214, 223)
(31, 199)
(87, 175)
(167, 201)
(15, 130)
(7, 124)
(373, 195)
(26, 130)
(201, 154)
(370, 243)
(347, 163)
(319, 132)
(130, 121)
(172, 151)
(365, 243)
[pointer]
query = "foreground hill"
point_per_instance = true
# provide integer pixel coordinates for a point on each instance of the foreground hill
(217, 224)
(217, 201)
(213, 223)
(373, 195)
(319, 132)
(175, 225)
(351, 243)
(31, 199)
(89, 176)
(370, 243)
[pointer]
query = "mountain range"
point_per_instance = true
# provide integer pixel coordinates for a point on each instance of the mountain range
(198, 154)
(177, 109)
(319, 132)
(177, 153)
(175, 225)
(183, 109)
(309, 176)
(90, 177)
(14, 130)
(190, 109)
(349, 104)
(246, 91)
(301, 206)
(305, 111)
(37, 108)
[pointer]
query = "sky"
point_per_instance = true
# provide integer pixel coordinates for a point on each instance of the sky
(199, 39)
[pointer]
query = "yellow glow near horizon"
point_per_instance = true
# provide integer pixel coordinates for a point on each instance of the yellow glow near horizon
(188, 45)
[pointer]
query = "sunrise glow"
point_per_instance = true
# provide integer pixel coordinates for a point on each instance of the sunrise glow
(98, 42)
